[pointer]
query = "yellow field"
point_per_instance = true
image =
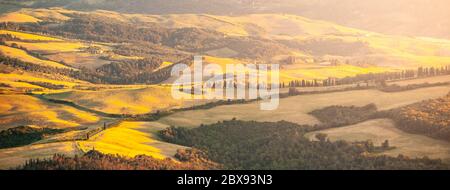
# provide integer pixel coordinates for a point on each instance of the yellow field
(24, 56)
(17, 17)
(14, 157)
(295, 109)
(54, 13)
(131, 139)
(164, 65)
(309, 72)
(125, 101)
(222, 61)
(28, 36)
(379, 130)
(18, 110)
(50, 47)
(117, 57)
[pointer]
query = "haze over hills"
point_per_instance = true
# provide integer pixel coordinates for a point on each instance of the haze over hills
(251, 37)
(400, 17)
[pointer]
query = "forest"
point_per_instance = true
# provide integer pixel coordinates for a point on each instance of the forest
(430, 117)
(336, 116)
(281, 145)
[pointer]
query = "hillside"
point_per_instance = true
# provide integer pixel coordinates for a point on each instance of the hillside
(402, 17)
(282, 36)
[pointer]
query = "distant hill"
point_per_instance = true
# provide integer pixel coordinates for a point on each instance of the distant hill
(400, 17)
(257, 37)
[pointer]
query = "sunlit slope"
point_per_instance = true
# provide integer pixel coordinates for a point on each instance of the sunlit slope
(126, 101)
(16, 110)
(131, 139)
(23, 80)
(18, 17)
(24, 56)
(50, 47)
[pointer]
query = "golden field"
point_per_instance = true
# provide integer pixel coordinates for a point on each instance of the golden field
(131, 139)
(50, 47)
(16, 110)
(430, 80)
(296, 108)
(28, 36)
(18, 17)
(136, 100)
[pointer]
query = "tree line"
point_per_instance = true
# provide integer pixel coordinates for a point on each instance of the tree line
(371, 77)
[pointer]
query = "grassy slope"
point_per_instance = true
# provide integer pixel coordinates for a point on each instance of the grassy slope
(127, 100)
(380, 130)
(131, 139)
(13, 157)
(18, 17)
(28, 36)
(27, 110)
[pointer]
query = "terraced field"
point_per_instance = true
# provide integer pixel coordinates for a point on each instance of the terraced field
(18, 17)
(50, 47)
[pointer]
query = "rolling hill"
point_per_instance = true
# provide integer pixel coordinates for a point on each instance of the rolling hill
(402, 17)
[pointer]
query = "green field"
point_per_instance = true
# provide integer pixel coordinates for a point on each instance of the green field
(430, 80)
